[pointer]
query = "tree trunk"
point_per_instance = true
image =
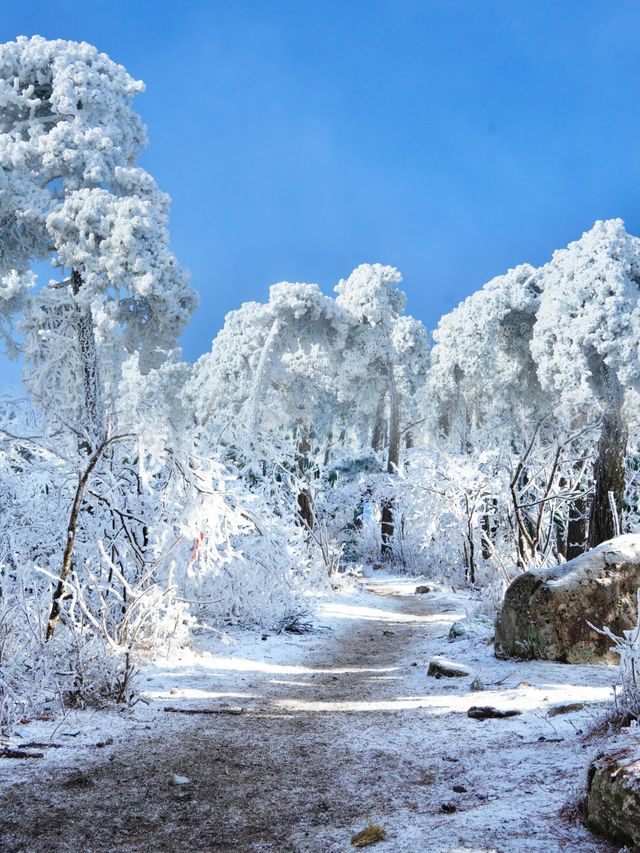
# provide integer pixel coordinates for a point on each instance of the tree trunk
(470, 551)
(488, 525)
(377, 436)
(387, 525)
(305, 504)
(387, 520)
(525, 548)
(470, 572)
(609, 476)
(393, 459)
(90, 371)
(72, 527)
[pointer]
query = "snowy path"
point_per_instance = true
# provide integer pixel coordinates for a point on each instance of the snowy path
(338, 730)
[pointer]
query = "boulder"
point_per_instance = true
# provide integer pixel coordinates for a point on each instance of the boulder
(613, 793)
(422, 590)
(545, 613)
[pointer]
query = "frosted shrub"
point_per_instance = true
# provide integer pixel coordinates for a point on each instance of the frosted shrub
(630, 670)
(40, 679)
(452, 508)
(628, 647)
(89, 672)
(143, 616)
(257, 586)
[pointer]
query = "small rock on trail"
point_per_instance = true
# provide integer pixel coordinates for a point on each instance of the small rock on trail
(442, 668)
(486, 712)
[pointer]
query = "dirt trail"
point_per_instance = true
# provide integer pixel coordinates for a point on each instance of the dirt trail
(357, 735)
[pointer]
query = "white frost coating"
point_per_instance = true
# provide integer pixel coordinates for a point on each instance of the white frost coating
(481, 359)
(373, 300)
(306, 358)
(70, 192)
(628, 647)
(371, 294)
(589, 315)
(130, 278)
(14, 287)
(271, 364)
(69, 106)
(622, 549)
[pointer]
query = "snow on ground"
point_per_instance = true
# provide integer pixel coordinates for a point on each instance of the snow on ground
(314, 736)
(220, 667)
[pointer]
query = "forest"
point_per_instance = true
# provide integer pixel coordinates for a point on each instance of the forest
(324, 439)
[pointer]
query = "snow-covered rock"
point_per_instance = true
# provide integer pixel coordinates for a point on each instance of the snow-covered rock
(613, 797)
(546, 612)
(440, 667)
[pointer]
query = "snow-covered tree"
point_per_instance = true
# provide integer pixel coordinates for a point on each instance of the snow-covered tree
(270, 364)
(267, 389)
(330, 374)
(482, 372)
(14, 287)
(483, 393)
(71, 193)
(489, 397)
(386, 354)
(586, 346)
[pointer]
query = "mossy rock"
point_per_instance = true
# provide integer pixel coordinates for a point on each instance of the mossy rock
(613, 794)
(546, 612)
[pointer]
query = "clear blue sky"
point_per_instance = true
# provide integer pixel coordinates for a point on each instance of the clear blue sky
(450, 138)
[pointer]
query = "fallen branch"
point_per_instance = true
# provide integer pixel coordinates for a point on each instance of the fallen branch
(233, 712)
(502, 680)
(19, 753)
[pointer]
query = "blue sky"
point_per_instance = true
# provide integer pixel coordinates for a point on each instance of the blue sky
(450, 138)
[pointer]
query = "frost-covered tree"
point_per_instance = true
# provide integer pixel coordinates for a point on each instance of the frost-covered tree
(268, 386)
(483, 376)
(490, 398)
(14, 287)
(483, 393)
(530, 364)
(373, 300)
(586, 345)
(333, 375)
(412, 356)
(270, 365)
(386, 354)
(71, 193)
